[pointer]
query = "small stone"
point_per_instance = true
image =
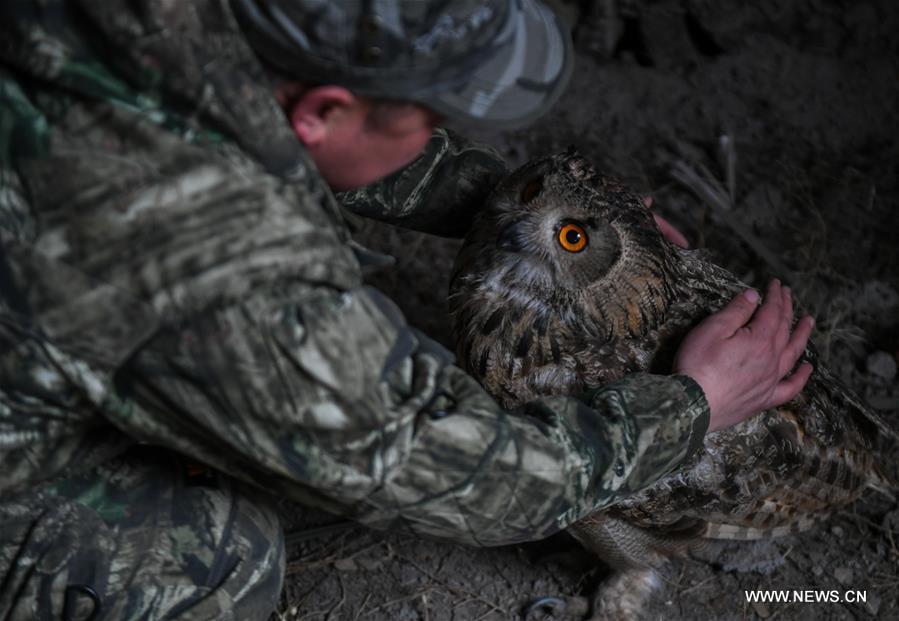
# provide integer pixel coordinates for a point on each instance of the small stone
(837, 531)
(873, 603)
(817, 570)
(761, 609)
(843, 575)
(370, 564)
(345, 564)
(881, 364)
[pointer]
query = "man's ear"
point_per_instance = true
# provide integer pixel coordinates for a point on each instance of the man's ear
(313, 114)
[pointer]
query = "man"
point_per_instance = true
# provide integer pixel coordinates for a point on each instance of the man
(178, 287)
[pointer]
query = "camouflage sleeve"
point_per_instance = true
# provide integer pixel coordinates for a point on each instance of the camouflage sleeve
(330, 398)
(439, 192)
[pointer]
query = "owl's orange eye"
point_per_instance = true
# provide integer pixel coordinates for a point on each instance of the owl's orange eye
(572, 237)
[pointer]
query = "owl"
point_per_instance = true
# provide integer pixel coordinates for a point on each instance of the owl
(565, 284)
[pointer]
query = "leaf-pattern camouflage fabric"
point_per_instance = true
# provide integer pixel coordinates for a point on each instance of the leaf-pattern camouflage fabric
(143, 536)
(174, 271)
(438, 193)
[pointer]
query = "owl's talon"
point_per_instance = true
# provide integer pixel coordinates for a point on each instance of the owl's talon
(557, 607)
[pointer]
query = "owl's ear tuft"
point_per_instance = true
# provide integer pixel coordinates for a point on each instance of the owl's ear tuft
(578, 166)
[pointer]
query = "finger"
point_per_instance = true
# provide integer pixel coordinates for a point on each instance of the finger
(647, 201)
(767, 319)
(671, 233)
(792, 386)
(736, 314)
(787, 296)
(786, 318)
(796, 345)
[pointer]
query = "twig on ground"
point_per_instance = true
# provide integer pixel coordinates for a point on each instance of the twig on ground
(424, 603)
(729, 163)
(294, 607)
(698, 584)
(892, 581)
(454, 589)
(340, 603)
(362, 606)
(305, 565)
(399, 599)
(701, 182)
(484, 616)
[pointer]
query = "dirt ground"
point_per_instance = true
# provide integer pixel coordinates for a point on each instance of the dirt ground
(768, 132)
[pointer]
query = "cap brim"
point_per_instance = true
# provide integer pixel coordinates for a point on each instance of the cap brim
(521, 81)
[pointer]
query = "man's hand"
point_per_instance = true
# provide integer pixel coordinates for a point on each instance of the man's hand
(669, 231)
(740, 356)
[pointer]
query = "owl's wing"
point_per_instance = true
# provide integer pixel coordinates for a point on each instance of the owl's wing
(774, 474)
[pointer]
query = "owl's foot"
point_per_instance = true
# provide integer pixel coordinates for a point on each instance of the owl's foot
(623, 596)
(556, 607)
(620, 598)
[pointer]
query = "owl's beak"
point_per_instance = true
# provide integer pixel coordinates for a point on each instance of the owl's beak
(510, 239)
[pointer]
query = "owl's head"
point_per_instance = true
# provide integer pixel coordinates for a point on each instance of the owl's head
(555, 228)
(559, 264)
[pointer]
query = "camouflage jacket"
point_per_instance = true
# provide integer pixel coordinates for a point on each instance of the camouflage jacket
(174, 271)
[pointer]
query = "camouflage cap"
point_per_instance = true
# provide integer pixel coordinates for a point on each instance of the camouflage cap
(497, 62)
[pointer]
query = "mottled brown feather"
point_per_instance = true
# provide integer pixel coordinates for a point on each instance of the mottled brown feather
(573, 323)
